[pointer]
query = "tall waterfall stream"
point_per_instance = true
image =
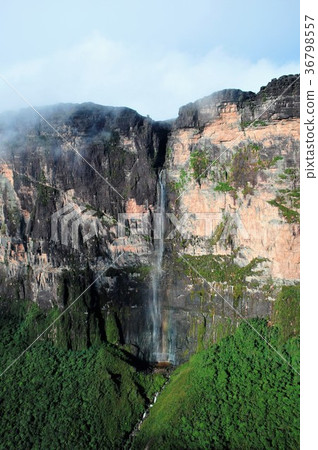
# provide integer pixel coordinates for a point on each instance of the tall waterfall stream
(155, 301)
(162, 342)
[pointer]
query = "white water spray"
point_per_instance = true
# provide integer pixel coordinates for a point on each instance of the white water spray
(155, 303)
(162, 337)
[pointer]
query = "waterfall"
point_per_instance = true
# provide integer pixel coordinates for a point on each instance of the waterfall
(155, 300)
(162, 342)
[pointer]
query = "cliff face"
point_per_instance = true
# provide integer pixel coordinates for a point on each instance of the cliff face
(42, 172)
(231, 180)
(259, 161)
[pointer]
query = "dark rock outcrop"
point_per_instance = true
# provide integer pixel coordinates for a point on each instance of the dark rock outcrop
(284, 91)
(207, 108)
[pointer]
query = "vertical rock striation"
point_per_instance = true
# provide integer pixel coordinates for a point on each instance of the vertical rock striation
(230, 177)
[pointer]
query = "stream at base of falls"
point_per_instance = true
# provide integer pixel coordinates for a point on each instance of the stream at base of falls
(166, 369)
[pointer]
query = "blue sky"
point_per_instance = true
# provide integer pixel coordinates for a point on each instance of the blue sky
(150, 56)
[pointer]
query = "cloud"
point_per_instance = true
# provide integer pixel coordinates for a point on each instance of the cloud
(110, 73)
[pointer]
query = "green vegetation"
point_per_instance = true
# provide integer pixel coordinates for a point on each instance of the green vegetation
(184, 178)
(291, 175)
(245, 166)
(277, 158)
(290, 215)
(223, 328)
(112, 330)
(247, 190)
(223, 187)
(255, 123)
(55, 398)
(290, 171)
(11, 212)
(287, 200)
(3, 229)
(292, 197)
(220, 268)
(106, 219)
(142, 271)
(286, 313)
(217, 268)
(44, 192)
(199, 164)
(12, 218)
(238, 172)
(268, 163)
(201, 334)
(82, 325)
(218, 231)
(238, 394)
(169, 153)
(245, 124)
(259, 123)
